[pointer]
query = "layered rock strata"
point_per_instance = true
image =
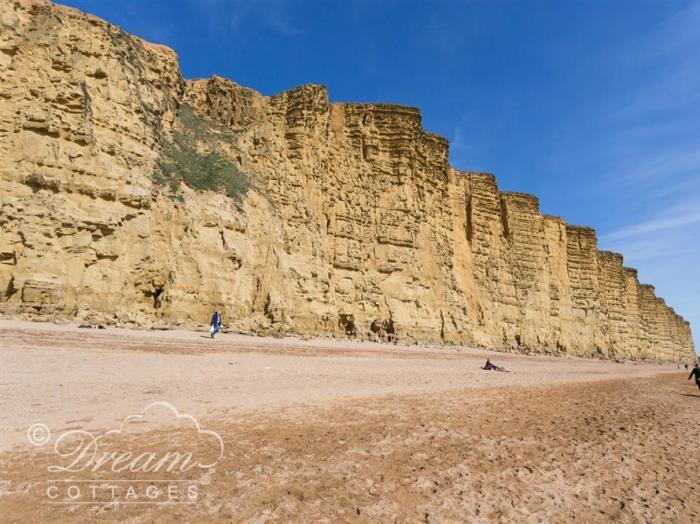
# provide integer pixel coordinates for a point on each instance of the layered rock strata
(132, 196)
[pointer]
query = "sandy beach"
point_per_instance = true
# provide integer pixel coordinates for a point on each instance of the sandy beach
(329, 430)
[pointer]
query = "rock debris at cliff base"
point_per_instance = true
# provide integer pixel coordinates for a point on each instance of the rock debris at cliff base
(132, 196)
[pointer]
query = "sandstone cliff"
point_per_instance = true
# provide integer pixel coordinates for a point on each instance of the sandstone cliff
(131, 196)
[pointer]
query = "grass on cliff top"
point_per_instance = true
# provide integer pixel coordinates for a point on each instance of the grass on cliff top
(192, 157)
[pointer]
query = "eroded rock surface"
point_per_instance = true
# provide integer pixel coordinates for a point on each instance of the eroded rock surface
(132, 196)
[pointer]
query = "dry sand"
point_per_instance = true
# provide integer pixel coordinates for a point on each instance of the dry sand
(332, 430)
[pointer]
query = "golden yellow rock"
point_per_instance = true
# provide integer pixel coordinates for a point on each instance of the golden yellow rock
(131, 196)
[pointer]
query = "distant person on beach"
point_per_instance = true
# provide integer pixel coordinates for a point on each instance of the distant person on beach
(215, 323)
(696, 372)
(490, 366)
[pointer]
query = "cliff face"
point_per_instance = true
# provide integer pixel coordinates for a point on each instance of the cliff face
(132, 196)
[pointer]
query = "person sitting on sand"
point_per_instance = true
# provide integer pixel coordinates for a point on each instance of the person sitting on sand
(490, 366)
(696, 372)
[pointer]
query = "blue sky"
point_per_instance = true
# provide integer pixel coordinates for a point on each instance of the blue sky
(594, 106)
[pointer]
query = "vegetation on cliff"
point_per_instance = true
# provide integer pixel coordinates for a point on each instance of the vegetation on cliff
(193, 156)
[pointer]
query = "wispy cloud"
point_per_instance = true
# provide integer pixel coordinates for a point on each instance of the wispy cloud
(675, 35)
(651, 166)
(278, 22)
(655, 119)
(457, 141)
(654, 225)
(227, 18)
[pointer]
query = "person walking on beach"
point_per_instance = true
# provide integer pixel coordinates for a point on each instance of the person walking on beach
(696, 372)
(215, 323)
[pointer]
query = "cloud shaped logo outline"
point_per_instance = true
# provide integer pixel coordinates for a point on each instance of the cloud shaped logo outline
(178, 416)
